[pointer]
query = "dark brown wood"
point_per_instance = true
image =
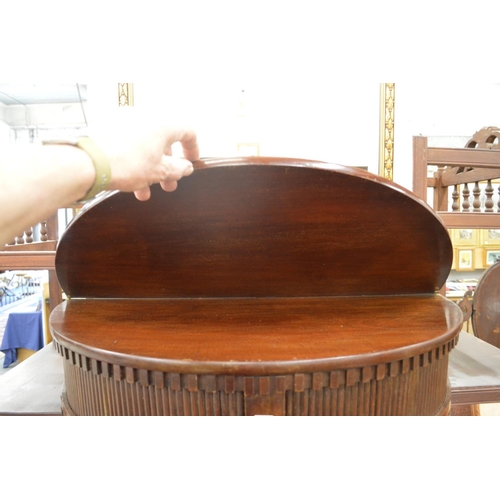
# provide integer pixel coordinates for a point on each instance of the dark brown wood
(257, 230)
(260, 286)
(486, 306)
(253, 336)
(55, 292)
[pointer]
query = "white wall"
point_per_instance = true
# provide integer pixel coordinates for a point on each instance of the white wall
(4, 134)
(4, 127)
(323, 120)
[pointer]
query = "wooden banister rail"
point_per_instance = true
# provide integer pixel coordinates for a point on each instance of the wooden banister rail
(469, 206)
(36, 256)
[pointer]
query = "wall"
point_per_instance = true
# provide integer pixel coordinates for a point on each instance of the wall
(323, 120)
(4, 127)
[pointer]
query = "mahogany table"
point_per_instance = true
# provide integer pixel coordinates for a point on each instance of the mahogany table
(260, 286)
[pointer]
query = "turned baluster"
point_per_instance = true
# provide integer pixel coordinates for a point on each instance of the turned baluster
(466, 202)
(20, 240)
(29, 235)
(43, 231)
(455, 206)
(488, 204)
(477, 201)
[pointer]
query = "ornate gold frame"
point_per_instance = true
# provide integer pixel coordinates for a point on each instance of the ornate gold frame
(125, 94)
(386, 149)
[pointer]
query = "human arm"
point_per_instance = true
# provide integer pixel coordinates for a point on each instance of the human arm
(37, 180)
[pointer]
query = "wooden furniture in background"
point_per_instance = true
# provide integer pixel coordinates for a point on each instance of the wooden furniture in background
(463, 192)
(483, 307)
(475, 368)
(25, 254)
(459, 170)
(260, 286)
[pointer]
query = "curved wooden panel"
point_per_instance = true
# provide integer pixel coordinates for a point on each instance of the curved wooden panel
(413, 386)
(486, 306)
(257, 228)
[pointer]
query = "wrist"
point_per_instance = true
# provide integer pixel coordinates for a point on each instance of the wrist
(99, 161)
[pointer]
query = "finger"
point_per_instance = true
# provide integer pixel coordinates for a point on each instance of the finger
(189, 141)
(169, 185)
(175, 168)
(143, 194)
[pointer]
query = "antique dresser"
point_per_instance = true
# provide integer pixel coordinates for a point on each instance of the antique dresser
(261, 286)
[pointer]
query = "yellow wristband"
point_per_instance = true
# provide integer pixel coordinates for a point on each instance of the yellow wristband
(101, 165)
(99, 159)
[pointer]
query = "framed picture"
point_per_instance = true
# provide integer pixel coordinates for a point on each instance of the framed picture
(491, 255)
(490, 237)
(465, 259)
(464, 237)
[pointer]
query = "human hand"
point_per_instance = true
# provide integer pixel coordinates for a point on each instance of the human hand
(139, 149)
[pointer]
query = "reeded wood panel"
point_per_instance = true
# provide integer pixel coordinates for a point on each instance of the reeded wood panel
(257, 228)
(288, 356)
(412, 386)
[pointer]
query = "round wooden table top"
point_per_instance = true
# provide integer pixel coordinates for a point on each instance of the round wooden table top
(255, 336)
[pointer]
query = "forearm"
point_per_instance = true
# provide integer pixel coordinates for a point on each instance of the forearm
(36, 181)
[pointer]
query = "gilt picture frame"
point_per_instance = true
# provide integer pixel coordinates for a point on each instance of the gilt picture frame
(464, 259)
(491, 255)
(465, 237)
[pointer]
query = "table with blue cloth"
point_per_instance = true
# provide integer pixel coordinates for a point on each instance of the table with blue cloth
(23, 330)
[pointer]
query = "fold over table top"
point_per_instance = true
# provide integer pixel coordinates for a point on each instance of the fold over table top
(257, 227)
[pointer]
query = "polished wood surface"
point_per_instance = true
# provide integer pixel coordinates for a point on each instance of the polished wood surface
(254, 336)
(260, 286)
(486, 306)
(282, 356)
(257, 229)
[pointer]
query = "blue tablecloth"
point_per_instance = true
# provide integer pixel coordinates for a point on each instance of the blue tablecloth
(23, 330)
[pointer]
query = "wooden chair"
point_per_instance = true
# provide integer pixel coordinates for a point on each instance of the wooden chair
(459, 169)
(462, 191)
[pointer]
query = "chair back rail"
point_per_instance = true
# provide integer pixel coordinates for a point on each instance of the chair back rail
(34, 250)
(464, 192)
